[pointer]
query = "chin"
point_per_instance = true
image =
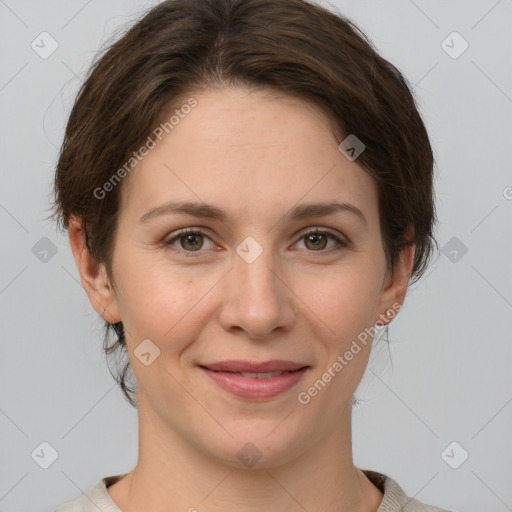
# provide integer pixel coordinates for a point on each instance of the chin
(256, 447)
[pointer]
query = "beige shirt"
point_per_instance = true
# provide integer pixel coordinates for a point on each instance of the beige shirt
(97, 499)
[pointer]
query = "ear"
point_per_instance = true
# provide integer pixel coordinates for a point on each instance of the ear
(93, 275)
(395, 285)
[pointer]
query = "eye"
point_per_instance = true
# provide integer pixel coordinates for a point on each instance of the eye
(316, 241)
(189, 241)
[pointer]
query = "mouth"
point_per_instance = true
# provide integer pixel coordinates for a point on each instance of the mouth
(238, 366)
(255, 381)
(255, 375)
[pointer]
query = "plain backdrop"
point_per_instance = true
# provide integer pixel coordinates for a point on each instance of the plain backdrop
(443, 390)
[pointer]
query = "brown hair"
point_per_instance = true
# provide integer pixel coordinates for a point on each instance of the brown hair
(294, 47)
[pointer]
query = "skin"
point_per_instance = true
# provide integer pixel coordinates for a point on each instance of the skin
(256, 156)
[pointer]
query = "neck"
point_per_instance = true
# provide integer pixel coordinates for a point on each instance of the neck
(171, 471)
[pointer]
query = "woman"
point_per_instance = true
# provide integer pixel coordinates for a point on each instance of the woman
(247, 187)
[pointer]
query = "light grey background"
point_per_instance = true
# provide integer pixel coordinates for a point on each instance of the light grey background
(448, 378)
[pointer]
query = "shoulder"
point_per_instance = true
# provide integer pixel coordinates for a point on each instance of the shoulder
(71, 506)
(395, 499)
(96, 499)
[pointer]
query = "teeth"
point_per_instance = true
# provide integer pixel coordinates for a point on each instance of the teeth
(266, 375)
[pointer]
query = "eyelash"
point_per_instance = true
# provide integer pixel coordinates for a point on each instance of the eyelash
(316, 231)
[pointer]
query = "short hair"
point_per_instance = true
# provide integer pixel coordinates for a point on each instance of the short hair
(293, 47)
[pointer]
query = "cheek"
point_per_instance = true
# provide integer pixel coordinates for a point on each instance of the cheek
(344, 300)
(156, 301)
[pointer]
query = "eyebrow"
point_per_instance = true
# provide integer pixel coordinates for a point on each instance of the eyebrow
(206, 211)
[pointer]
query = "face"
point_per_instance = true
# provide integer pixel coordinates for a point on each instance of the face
(260, 276)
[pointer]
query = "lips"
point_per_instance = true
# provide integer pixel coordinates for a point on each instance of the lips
(255, 381)
(255, 385)
(236, 366)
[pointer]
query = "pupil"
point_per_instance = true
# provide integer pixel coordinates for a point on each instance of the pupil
(191, 240)
(315, 239)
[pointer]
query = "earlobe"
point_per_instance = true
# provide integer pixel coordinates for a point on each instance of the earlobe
(93, 275)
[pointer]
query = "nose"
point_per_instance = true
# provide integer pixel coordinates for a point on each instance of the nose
(257, 298)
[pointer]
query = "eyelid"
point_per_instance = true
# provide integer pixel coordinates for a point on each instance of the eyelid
(182, 232)
(340, 240)
(312, 230)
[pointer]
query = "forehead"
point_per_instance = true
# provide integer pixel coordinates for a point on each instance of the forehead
(249, 150)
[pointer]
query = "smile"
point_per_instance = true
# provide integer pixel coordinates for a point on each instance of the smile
(255, 385)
